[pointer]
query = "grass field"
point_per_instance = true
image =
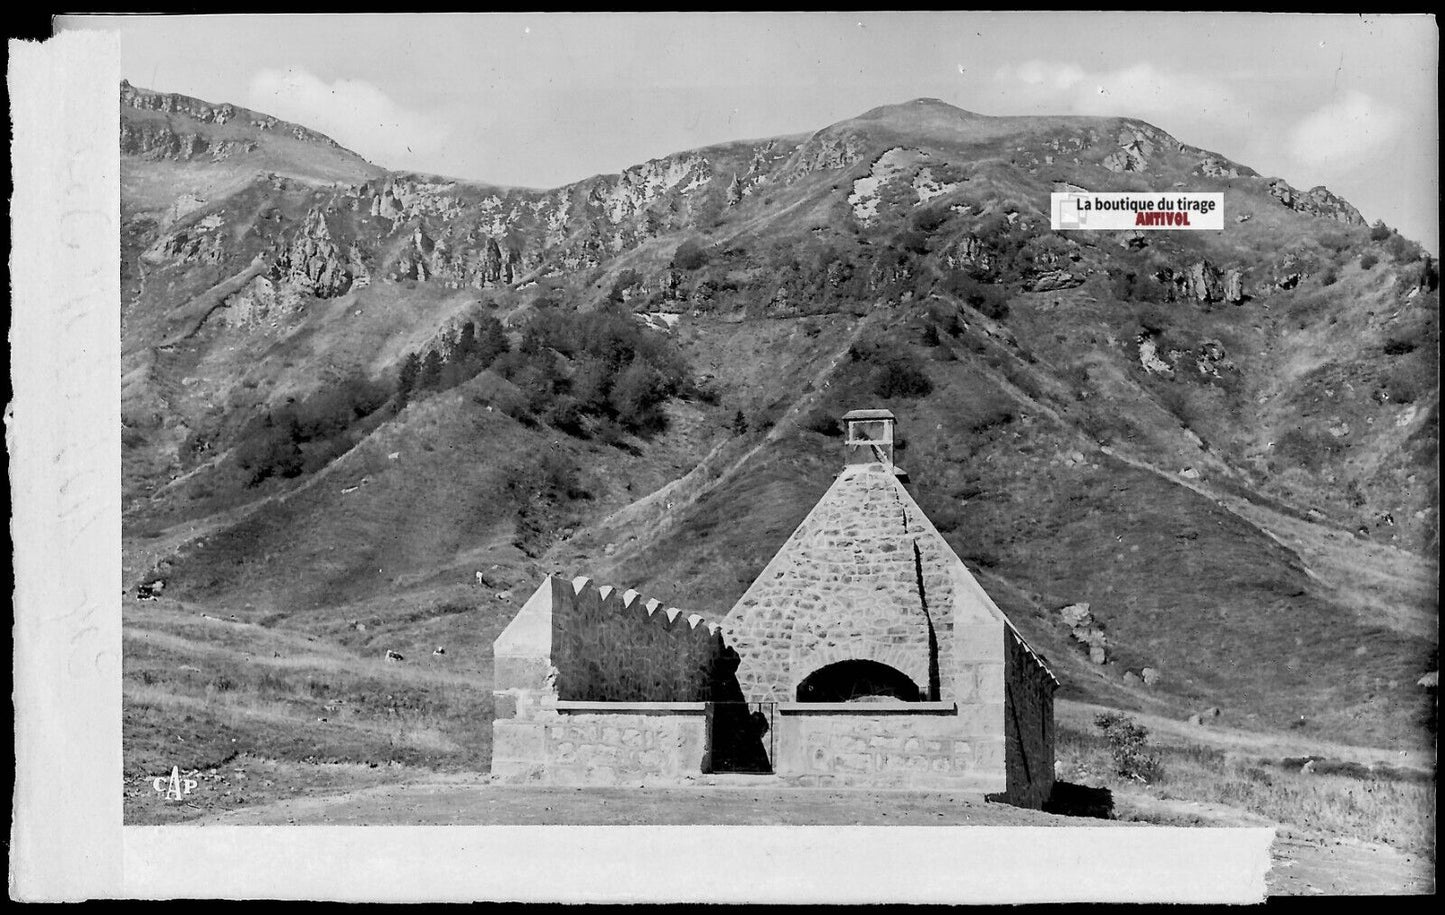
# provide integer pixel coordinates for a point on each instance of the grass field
(1383, 803)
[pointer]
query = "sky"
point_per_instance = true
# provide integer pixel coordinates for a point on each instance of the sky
(544, 99)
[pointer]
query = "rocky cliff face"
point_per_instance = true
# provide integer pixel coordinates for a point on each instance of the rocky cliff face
(1317, 201)
(206, 113)
(312, 263)
(161, 140)
(823, 151)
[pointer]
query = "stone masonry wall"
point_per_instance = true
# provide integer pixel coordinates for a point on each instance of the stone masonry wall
(1028, 724)
(625, 747)
(617, 647)
(892, 749)
(628, 744)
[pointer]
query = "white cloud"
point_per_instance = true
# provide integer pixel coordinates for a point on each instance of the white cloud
(1141, 91)
(1044, 74)
(1345, 131)
(352, 112)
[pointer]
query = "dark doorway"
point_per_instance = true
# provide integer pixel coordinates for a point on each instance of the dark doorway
(854, 681)
(741, 731)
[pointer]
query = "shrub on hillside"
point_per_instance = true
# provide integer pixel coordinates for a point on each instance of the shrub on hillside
(637, 397)
(822, 421)
(614, 369)
(270, 448)
(1306, 449)
(993, 417)
(1379, 231)
(477, 345)
(305, 436)
(565, 414)
(896, 371)
(988, 298)
(1337, 242)
(1136, 285)
(912, 241)
(1129, 747)
(689, 256)
(1368, 260)
(540, 488)
(1402, 250)
(928, 219)
(1403, 385)
(1330, 277)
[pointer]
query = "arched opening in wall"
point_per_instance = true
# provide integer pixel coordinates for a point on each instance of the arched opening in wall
(857, 681)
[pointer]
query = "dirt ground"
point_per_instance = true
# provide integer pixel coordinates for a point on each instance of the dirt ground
(1302, 864)
(474, 801)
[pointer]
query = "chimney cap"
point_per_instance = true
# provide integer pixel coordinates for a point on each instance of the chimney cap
(869, 414)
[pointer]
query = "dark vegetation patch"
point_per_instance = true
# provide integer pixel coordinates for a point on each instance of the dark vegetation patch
(895, 371)
(584, 373)
(303, 436)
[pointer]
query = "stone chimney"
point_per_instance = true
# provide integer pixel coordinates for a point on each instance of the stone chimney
(869, 438)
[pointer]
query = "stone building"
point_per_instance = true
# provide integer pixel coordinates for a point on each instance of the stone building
(865, 653)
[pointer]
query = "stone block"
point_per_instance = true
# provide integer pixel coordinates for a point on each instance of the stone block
(976, 720)
(516, 741)
(521, 673)
(504, 704)
(990, 679)
(977, 641)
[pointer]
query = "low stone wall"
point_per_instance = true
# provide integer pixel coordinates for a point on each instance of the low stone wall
(613, 743)
(914, 744)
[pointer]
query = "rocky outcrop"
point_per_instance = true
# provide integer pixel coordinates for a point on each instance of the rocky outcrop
(1137, 146)
(1051, 280)
(186, 247)
(262, 303)
(968, 252)
(823, 151)
(386, 205)
(1087, 631)
(206, 113)
(1202, 282)
(311, 262)
(196, 243)
(356, 266)
(623, 197)
(734, 194)
(1234, 287)
(1428, 279)
(1317, 201)
(159, 140)
(1149, 356)
(1214, 167)
(417, 260)
(1212, 359)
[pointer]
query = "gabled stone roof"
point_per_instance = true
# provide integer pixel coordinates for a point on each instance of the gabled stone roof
(865, 575)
